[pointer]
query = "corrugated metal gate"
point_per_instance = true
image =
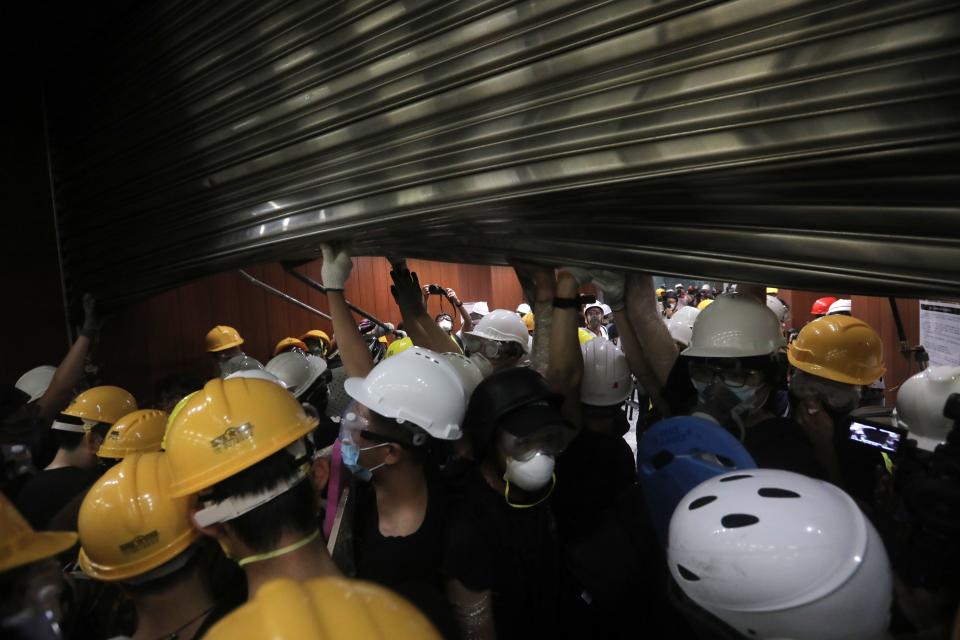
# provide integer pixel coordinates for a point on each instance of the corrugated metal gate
(809, 144)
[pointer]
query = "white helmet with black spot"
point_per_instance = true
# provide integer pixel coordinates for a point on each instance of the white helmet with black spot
(775, 554)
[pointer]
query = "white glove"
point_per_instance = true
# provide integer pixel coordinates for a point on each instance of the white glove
(613, 285)
(336, 267)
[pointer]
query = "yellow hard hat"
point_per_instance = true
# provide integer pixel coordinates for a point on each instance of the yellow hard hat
(319, 335)
(660, 291)
(704, 304)
(399, 346)
(840, 348)
(222, 337)
(20, 544)
(288, 343)
(324, 608)
(585, 335)
(530, 321)
(129, 524)
(772, 291)
(138, 432)
(102, 404)
(228, 426)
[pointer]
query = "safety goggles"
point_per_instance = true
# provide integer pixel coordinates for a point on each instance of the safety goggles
(551, 441)
(732, 376)
(490, 349)
(836, 395)
(353, 424)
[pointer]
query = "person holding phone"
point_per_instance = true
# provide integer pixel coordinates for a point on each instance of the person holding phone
(832, 358)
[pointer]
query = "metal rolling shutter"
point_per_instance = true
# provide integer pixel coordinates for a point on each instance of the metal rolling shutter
(810, 144)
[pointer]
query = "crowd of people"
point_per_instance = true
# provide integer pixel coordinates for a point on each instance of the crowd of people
(466, 475)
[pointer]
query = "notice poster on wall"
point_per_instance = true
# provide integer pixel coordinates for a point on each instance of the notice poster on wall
(940, 332)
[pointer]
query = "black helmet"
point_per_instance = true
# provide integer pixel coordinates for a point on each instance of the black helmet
(500, 394)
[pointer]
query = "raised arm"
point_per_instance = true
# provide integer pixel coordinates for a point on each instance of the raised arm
(60, 392)
(466, 322)
(566, 361)
(656, 348)
(353, 351)
(420, 326)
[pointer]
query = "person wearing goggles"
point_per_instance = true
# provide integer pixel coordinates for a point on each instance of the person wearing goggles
(503, 554)
(499, 341)
(832, 359)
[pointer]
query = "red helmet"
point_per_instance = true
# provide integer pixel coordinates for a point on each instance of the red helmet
(822, 305)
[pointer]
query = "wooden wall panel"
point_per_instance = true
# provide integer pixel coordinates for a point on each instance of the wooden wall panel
(164, 335)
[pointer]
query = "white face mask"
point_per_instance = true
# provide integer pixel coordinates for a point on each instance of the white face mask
(531, 474)
(486, 368)
(446, 325)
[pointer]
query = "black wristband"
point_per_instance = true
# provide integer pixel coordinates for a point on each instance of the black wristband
(566, 303)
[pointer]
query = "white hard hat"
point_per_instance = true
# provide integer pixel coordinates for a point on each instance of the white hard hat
(503, 326)
(842, 305)
(775, 554)
(735, 327)
(779, 309)
(480, 308)
(706, 287)
(296, 370)
(469, 373)
(606, 309)
(681, 323)
(417, 386)
(35, 382)
(606, 375)
(256, 374)
(593, 305)
(920, 403)
(523, 309)
(678, 286)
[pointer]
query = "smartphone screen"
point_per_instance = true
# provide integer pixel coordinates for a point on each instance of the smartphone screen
(885, 438)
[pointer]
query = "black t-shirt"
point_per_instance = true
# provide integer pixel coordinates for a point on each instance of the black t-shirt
(512, 552)
(410, 565)
(50, 490)
(780, 443)
(591, 473)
